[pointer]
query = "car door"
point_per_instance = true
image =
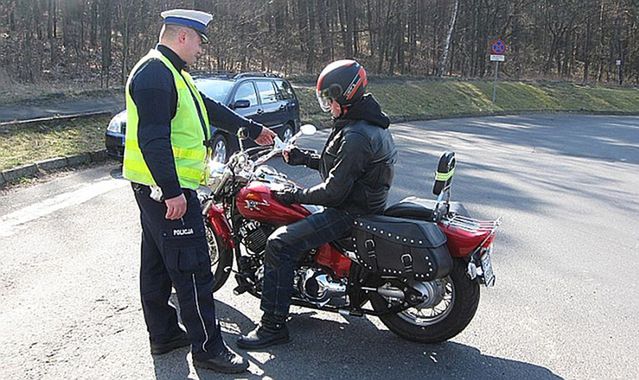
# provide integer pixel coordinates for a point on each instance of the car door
(291, 105)
(246, 91)
(273, 109)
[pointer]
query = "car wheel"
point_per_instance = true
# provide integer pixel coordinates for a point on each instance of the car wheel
(287, 132)
(220, 149)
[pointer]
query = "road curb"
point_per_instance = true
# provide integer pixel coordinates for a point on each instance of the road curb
(79, 159)
(10, 176)
(24, 171)
(52, 164)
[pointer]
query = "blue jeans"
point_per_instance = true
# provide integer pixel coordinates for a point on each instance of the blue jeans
(287, 245)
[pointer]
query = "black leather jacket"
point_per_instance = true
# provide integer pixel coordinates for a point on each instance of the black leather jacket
(357, 162)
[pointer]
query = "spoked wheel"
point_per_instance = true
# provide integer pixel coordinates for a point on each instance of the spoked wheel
(221, 258)
(450, 306)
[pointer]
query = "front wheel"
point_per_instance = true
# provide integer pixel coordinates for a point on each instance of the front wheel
(451, 305)
(221, 258)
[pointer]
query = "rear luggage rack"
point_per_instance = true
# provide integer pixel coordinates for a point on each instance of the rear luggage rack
(471, 224)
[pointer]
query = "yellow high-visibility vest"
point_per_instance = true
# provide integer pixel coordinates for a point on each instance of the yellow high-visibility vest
(187, 135)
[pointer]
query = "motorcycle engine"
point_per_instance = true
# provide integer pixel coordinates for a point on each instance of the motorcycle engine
(318, 287)
(254, 235)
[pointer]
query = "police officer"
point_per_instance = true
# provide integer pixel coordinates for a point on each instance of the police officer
(356, 165)
(165, 159)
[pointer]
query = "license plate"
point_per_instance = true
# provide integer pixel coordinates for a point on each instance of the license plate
(487, 269)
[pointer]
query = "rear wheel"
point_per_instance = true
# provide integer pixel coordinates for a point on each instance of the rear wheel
(221, 258)
(450, 307)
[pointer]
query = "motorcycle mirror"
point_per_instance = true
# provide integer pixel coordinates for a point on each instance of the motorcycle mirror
(308, 129)
(242, 133)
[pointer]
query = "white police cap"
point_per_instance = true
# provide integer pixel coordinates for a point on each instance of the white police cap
(196, 20)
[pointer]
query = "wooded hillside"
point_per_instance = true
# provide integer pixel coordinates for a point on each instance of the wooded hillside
(97, 41)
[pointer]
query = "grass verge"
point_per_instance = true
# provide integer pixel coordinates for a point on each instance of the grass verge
(422, 99)
(20, 144)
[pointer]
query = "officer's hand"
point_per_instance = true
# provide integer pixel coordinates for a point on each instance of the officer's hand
(175, 207)
(266, 137)
(286, 196)
(295, 156)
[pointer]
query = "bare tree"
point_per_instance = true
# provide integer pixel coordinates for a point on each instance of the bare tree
(97, 41)
(443, 62)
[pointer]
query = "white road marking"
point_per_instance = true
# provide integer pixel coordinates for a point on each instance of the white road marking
(10, 223)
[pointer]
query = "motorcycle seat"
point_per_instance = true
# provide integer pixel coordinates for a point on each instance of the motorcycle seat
(420, 208)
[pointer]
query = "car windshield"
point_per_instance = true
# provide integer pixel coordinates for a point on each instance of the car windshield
(216, 89)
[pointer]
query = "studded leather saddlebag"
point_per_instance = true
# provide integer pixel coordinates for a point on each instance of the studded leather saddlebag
(401, 247)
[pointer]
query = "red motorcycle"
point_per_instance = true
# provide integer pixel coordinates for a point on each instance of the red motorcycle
(419, 265)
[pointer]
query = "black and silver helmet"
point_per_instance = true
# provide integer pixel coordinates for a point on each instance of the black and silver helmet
(343, 81)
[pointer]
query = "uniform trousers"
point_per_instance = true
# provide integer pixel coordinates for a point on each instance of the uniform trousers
(175, 254)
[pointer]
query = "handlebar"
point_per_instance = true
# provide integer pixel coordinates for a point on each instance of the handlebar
(242, 164)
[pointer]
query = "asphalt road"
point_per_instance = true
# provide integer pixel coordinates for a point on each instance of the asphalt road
(62, 106)
(565, 303)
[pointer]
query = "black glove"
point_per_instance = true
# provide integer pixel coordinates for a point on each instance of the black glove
(287, 196)
(297, 157)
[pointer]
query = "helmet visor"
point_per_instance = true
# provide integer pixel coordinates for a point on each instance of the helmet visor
(324, 100)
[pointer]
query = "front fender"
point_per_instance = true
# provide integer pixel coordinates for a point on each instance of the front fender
(221, 228)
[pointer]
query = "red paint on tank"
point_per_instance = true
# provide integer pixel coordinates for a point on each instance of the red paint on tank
(255, 201)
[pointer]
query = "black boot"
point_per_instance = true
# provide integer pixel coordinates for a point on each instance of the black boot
(226, 361)
(271, 331)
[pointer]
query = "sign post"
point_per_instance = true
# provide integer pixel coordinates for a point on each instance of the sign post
(497, 49)
(618, 62)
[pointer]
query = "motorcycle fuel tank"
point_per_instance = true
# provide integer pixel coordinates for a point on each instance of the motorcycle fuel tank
(255, 202)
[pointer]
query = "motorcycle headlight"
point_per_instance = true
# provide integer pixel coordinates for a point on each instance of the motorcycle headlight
(115, 125)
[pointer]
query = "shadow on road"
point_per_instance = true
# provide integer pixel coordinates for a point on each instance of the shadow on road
(349, 348)
(610, 140)
(606, 138)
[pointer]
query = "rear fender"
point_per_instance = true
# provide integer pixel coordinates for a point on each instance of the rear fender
(467, 235)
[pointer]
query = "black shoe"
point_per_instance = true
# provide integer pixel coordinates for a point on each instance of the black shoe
(262, 337)
(226, 362)
(179, 341)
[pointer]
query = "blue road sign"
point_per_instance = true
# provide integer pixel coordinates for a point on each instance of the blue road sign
(498, 47)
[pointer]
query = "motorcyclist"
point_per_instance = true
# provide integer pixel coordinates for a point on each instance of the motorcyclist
(356, 165)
